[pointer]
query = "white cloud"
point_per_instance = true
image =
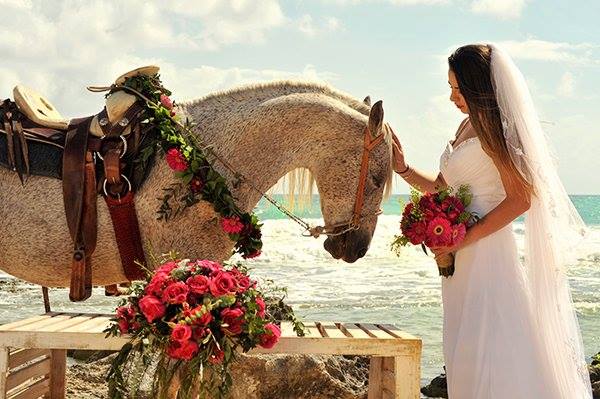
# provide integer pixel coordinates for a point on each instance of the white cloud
(566, 85)
(307, 25)
(59, 48)
(534, 49)
(504, 9)
(394, 2)
(191, 83)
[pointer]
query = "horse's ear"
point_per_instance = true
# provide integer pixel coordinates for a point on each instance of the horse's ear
(367, 100)
(376, 119)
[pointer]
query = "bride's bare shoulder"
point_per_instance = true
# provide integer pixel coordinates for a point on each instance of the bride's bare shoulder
(462, 125)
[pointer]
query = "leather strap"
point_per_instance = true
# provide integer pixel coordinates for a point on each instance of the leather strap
(10, 145)
(114, 128)
(127, 234)
(369, 144)
(77, 168)
(21, 151)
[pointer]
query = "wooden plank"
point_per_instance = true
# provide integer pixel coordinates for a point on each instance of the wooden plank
(24, 322)
(33, 370)
(375, 370)
(375, 331)
(336, 346)
(395, 331)
(34, 391)
(3, 371)
(88, 326)
(407, 373)
(57, 373)
(23, 356)
(76, 319)
(354, 331)
(287, 329)
(331, 330)
(98, 325)
(312, 330)
(386, 394)
(40, 324)
(61, 340)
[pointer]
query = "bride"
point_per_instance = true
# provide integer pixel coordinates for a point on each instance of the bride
(510, 329)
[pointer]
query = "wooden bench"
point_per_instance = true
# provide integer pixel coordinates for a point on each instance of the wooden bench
(33, 352)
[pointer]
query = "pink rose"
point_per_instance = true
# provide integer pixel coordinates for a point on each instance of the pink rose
(222, 284)
(210, 266)
(123, 326)
(261, 307)
(185, 350)
(234, 320)
(167, 267)
(199, 284)
(217, 356)
(125, 312)
(157, 283)
(176, 160)
(270, 337)
(166, 101)
(176, 293)
(232, 225)
(181, 332)
(152, 307)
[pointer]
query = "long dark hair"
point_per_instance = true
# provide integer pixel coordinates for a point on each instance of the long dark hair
(471, 65)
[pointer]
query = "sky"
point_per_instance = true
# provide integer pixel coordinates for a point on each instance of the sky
(392, 50)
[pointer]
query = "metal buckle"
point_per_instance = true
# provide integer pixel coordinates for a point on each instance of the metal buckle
(118, 195)
(124, 147)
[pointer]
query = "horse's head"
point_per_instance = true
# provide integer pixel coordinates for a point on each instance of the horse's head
(350, 202)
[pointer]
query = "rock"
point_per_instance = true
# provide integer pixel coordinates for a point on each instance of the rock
(255, 377)
(88, 355)
(594, 369)
(300, 376)
(437, 388)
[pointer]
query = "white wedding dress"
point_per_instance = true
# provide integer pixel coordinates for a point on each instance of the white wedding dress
(492, 348)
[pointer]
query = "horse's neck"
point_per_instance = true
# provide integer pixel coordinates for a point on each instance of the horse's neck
(261, 145)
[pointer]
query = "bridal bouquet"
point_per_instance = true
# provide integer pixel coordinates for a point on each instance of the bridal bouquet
(437, 219)
(192, 315)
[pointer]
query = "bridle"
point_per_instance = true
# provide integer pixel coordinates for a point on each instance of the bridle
(370, 143)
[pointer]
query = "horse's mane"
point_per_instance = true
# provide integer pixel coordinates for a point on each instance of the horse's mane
(263, 91)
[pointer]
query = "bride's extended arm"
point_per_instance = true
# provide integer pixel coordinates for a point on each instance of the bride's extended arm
(514, 205)
(417, 179)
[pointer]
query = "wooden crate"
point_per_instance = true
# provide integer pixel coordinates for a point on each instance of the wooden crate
(395, 368)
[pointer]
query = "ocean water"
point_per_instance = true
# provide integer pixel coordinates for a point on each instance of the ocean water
(382, 287)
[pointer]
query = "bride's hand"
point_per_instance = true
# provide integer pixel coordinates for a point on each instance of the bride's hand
(441, 251)
(398, 155)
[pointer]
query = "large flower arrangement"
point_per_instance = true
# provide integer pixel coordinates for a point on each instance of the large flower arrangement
(197, 179)
(437, 219)
(193, 315)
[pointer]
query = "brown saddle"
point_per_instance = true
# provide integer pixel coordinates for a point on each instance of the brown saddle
(93, 156)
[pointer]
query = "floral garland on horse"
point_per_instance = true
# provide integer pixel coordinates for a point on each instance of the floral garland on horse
(198, 180)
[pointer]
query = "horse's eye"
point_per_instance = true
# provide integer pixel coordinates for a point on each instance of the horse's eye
(377, 181)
